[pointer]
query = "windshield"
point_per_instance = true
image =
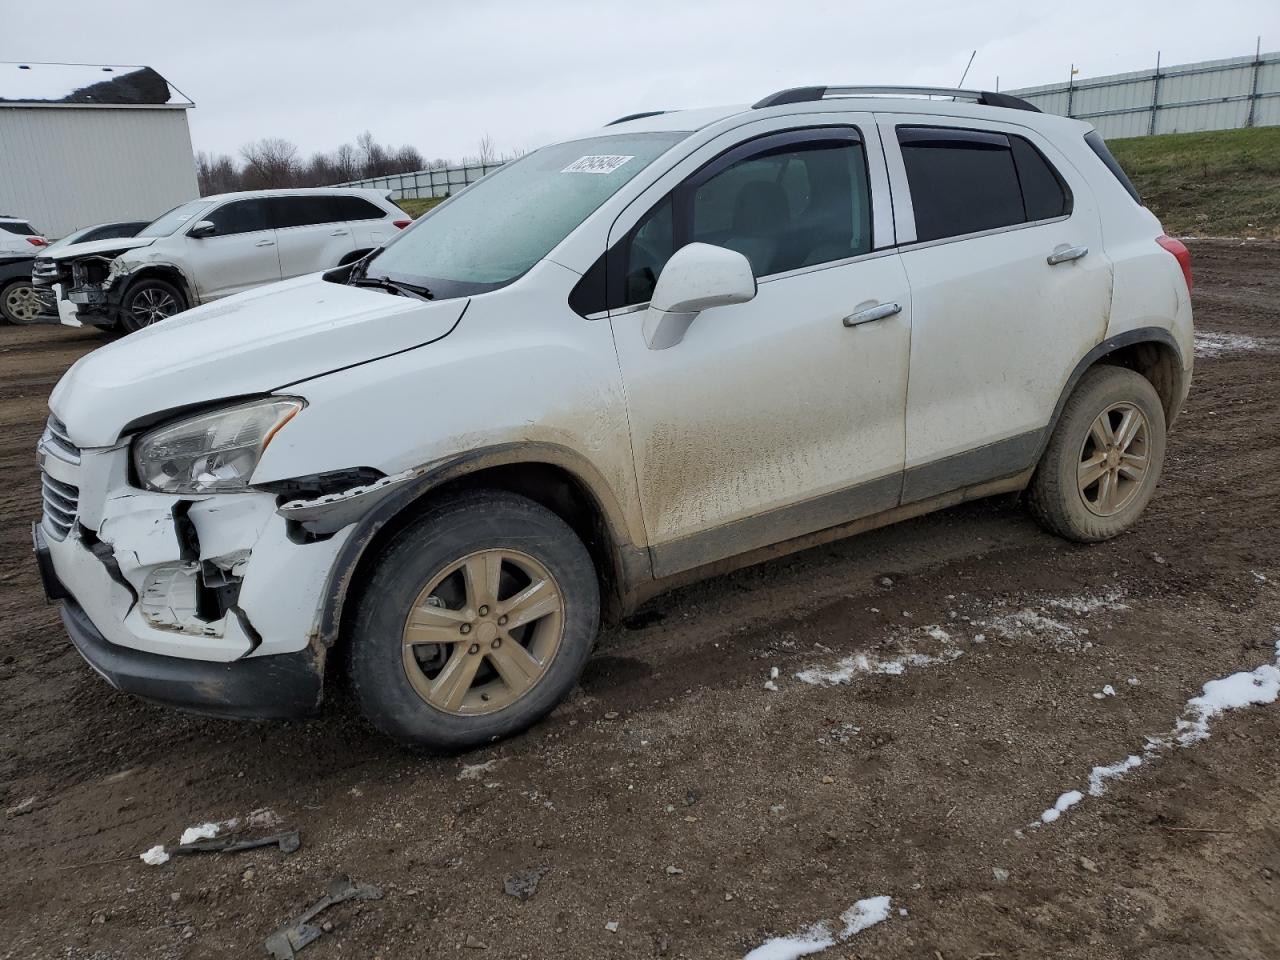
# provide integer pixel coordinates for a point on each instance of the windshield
(507, 222)
(179, 216)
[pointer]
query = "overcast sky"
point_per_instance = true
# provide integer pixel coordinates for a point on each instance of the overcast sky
(440, 75)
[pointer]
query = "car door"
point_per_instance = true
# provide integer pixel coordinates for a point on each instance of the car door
(783, 415)
(240, 254)
(311, 232)
(1010, 285)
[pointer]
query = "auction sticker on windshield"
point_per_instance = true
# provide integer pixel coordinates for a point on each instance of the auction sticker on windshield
(599, 163)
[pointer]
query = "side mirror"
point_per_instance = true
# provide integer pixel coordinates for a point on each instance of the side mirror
(205, 228)
(697, 277)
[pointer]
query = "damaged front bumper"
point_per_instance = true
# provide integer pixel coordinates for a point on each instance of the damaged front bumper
(275, 687)
(77, 294)
(210, 603)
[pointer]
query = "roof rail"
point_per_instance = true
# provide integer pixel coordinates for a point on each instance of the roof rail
(637, 116)
(986, 98)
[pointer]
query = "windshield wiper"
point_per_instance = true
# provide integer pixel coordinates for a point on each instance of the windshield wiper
(392, 286)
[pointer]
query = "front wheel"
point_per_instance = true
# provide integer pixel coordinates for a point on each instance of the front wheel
(1104, 458)
(18, 303)
(475, 623)
(149, 301)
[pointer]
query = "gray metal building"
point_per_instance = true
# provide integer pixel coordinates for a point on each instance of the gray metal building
(83, 144)
(1209, 95)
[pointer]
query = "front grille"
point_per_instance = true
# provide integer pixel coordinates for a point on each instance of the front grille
(56, 436)
(61, 500)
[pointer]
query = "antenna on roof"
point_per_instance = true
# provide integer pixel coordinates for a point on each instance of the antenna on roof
(966, 68)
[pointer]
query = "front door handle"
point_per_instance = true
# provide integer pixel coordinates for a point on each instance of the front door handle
(265, 243)
(1065, 254)
(872, 314)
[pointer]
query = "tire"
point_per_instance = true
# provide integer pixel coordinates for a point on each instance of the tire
(1094, 480)
(149, 301)
(18, 303)
(409, 691)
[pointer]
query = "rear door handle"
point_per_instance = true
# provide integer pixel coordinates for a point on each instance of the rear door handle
(872, 314)
(265, 243)
(1065, 254)
(338, 233)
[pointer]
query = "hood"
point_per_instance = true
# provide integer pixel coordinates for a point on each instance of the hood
(116, 245)
(252, 343)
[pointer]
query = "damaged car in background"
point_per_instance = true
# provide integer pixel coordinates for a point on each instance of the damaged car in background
(674, 346)
(210, 248)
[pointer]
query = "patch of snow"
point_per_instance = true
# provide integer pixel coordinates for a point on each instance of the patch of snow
(1099, 775)
(813, 940)
(863, 914)
(1247, 688)
(1063, 804)
(155, 856)
(771, 686)
(861, 663)
(474, 771)
(1260, 577)
(1215, 344)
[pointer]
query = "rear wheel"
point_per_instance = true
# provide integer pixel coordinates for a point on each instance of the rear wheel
(18, 303)
(149, 301)
(1104, 459)
(476, 622)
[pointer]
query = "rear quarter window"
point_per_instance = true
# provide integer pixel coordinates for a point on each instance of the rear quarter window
(20, 228)
(1103, 152)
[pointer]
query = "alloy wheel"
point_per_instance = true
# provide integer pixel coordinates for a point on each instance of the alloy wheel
(483, 632)
(152, 305)
(1114, 459)
(20, 303)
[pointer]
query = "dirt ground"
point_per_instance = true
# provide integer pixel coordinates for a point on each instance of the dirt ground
(676, 797)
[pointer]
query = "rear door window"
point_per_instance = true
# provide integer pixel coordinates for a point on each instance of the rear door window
(20, 228)
(304, 211)
(967, 181)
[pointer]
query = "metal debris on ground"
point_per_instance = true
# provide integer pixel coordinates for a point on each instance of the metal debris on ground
(299, 932)
(524, 885)
(288, 842)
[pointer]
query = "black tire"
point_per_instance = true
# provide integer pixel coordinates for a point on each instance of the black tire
(1055, 496)
(134, 312)
(448, 531)
(9, 311)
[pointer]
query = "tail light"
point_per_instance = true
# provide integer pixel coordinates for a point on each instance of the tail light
(1180, 253)
(37, 241)
(402, 223)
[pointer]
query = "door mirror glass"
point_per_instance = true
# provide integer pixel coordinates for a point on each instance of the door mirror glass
(205, 228)
(698, 276)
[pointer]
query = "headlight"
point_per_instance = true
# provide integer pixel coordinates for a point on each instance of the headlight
(214, 452)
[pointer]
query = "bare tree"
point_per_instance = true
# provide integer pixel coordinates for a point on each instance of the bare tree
(488, 153)
(345, 164)
(270, 162)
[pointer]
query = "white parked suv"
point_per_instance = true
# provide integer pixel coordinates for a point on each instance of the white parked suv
(18, 238)
(210, 248)
(676, 345)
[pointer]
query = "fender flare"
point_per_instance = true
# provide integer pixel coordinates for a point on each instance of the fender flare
(631, 562)
(1110, 345)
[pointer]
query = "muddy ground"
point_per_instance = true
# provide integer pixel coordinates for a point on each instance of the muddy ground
(676, 797)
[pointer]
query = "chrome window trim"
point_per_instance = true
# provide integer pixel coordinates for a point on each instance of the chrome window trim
(977, 234)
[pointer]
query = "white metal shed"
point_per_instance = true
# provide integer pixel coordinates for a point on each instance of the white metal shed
(82, 144)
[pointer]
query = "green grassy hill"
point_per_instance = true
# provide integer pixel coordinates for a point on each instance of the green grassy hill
(1225, 183)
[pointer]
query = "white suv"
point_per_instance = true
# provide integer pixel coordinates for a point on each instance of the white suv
(210, 248)
(674, 346)
(18, 238)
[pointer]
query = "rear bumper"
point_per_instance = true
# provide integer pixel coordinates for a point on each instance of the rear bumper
(268, 687)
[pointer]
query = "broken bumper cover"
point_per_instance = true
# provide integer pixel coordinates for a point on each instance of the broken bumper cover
(267, 687)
